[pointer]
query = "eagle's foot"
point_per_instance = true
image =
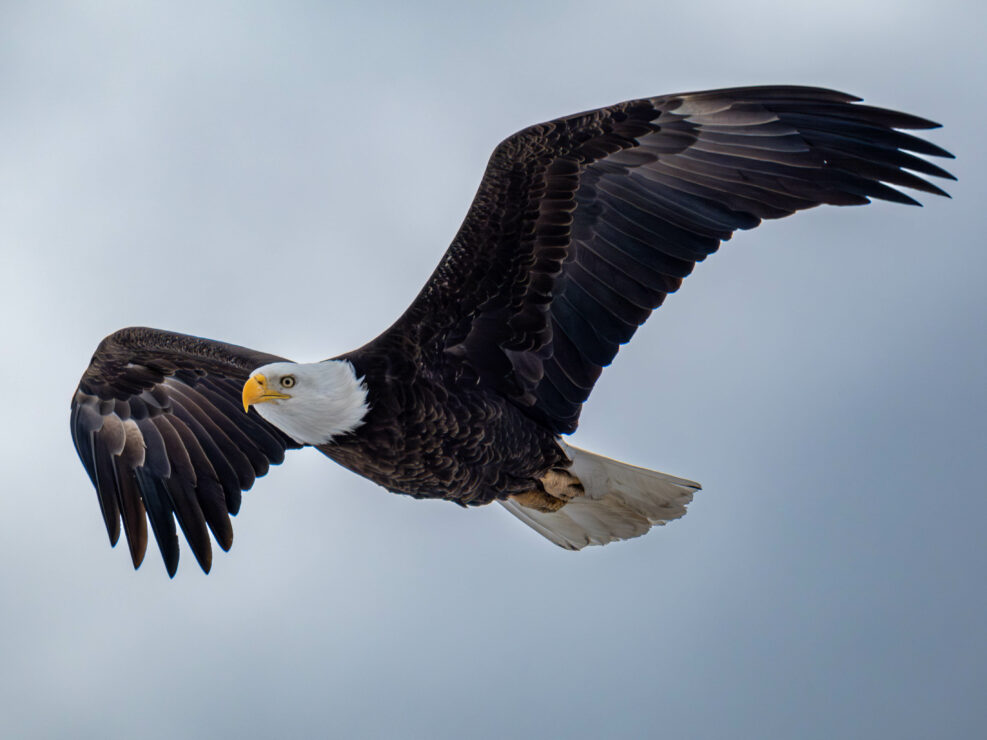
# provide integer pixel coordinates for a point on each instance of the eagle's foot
(556, 488)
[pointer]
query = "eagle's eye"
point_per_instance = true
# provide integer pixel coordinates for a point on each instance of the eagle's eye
(288, 381)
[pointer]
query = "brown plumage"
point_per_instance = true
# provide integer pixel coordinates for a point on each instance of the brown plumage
(580, 228)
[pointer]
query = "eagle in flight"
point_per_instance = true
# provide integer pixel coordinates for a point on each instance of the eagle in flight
(580, 228)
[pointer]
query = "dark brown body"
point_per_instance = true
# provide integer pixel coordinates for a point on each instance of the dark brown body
(442, 435)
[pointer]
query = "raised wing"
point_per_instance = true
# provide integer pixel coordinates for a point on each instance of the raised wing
(158, 425)
(581, 226)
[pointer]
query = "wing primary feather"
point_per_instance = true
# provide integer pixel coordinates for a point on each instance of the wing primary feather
(864, 131)
(219, 451)
(755, 202)
(880, 172)
(178, 456)
(754, 186)
(157, 503)
(657, 210)
(880, 117)
(181, 490)
(132, 511)
(106, 488)
(155, 454)
(190, 519)
(84, 449)
(231, 463)
(208, 492)
(240, 432)
(212, 501)
(875, 149)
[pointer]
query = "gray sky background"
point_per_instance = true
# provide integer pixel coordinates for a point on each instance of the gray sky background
(285, 176)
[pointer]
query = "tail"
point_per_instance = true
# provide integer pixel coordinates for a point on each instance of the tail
(617, 502)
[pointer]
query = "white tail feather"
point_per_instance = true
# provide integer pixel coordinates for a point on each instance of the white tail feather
(621, 501)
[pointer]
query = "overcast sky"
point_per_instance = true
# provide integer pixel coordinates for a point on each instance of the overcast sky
(285, 176)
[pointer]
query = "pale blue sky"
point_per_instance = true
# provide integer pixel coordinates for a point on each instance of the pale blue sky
(285, 176)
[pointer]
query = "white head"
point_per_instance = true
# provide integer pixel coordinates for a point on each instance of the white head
(310, 402)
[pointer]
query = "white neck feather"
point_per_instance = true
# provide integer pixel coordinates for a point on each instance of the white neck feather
(327, 400)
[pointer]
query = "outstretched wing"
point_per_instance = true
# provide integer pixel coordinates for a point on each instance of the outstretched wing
(159, 427)
(581, 226)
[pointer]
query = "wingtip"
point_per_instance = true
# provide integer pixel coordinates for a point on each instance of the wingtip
(137, 556)
(170, 556)
(224, 543)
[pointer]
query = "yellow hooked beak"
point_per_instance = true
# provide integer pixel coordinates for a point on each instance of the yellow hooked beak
(255, 390)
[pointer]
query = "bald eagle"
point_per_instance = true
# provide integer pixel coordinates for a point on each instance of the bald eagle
(580, 228)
